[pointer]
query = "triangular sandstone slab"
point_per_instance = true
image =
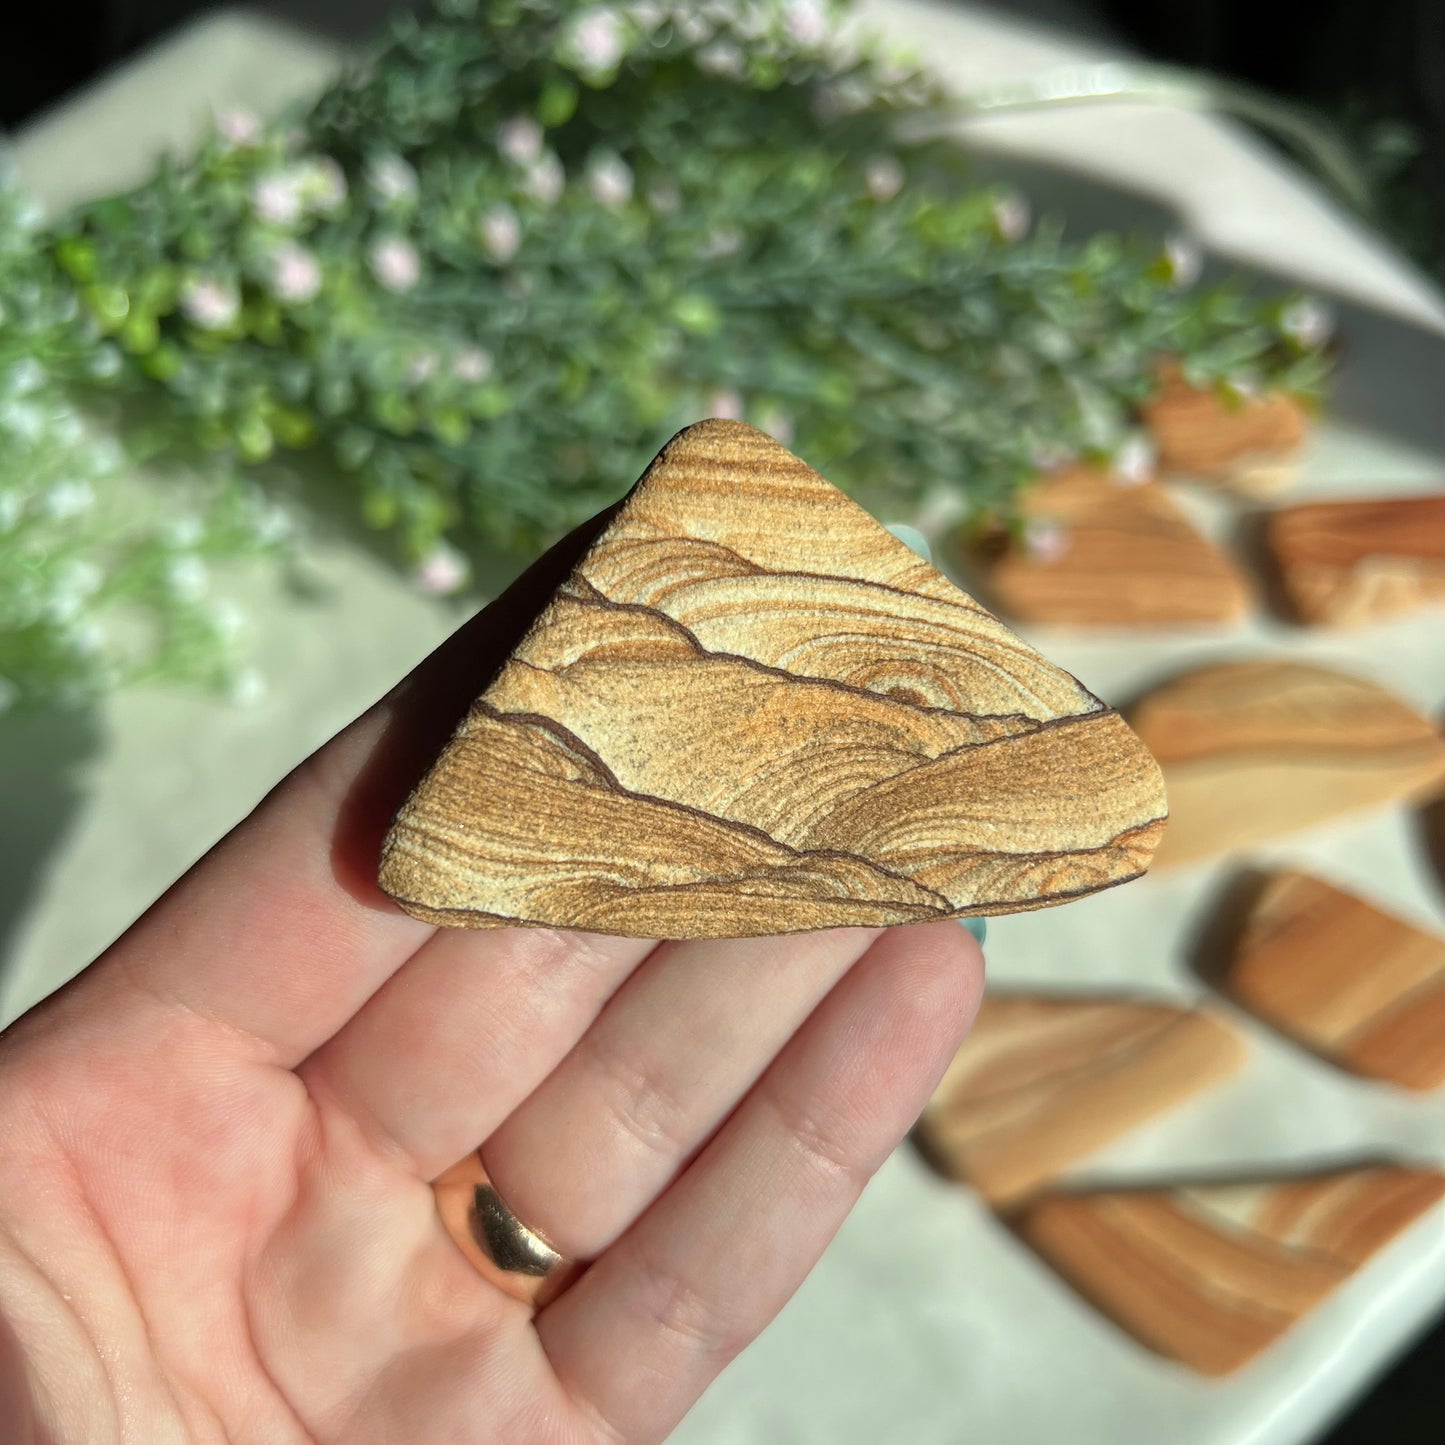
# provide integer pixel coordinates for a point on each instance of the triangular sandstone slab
(752, 710)
(1042, 1082)
(1348, 980)
(1211, 1275)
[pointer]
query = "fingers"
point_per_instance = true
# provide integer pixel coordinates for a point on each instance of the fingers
(681, 1042)
(639, 1337)
(280, 933)
(463, 1033)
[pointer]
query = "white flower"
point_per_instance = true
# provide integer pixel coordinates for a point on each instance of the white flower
(693, 27)
(226, 618)
(295, 274)
(187, 578)
(277, 199)
(442, 571)
(23, 419)
(25, 376)
(609, 179)
(595, 41)
(105, 362)
(1011, 217)
(912, 538)
(395, 263)
(726, 402)
(272, 524)
(884, 177)
(1046, 541)
(1133, 463)
(8, 693)
(68, 499)
(391, 177)
(421, 368)
(88, 638)
(238, 126)
(1308, 321)
(472, 364)
(183, 531)
(80, 577)
(664, 197)
(806, 21)
(247, 688)
(105, 455)
(545, 180)
(722, 57)
(520, 140)
(1183, 261)
(647, 14)
(323, 184)
(209, 303)
(500, 232)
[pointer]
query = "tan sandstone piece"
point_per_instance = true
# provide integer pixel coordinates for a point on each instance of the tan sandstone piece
(1042, 1081)
(1254, 750)
(1356, 984)
(1212, 1275)
(750, 710)
(1248, 445)
(1342, 564)
(1128, 557)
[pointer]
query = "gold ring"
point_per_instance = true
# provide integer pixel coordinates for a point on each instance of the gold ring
(506, 1252)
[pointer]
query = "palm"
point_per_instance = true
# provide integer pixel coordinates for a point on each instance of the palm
(215, 1216)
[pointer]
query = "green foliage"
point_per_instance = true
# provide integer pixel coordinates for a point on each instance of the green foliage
(487, 274)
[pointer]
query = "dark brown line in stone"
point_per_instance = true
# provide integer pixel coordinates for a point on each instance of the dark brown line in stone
(563, 735)
(559, 731)
(966, 604)
(569, 739)
(600, 599)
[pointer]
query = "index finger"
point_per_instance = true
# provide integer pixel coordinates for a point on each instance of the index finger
(280, 933)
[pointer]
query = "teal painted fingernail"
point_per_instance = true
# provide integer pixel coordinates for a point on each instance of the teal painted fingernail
(976, 926)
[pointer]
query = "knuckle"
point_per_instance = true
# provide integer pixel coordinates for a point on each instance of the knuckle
(822, 1142)
(690, 1316)
(638, 1100)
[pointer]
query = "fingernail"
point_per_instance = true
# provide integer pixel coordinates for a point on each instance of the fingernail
(976, 926)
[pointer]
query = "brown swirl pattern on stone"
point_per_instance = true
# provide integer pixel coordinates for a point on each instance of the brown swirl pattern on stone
(1255, 750)
(1131, 559)
(1343, 564)
(1352, 982)
(1214, 1274)
(1041, 1082)
(753, 710)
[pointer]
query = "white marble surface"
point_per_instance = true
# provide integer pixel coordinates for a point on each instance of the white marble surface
(926, 1322)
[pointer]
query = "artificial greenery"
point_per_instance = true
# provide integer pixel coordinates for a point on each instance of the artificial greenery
(488, 272)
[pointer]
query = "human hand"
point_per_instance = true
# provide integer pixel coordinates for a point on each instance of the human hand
(215, 1216)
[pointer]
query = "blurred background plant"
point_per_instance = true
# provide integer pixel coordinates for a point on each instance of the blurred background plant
(492, 269)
